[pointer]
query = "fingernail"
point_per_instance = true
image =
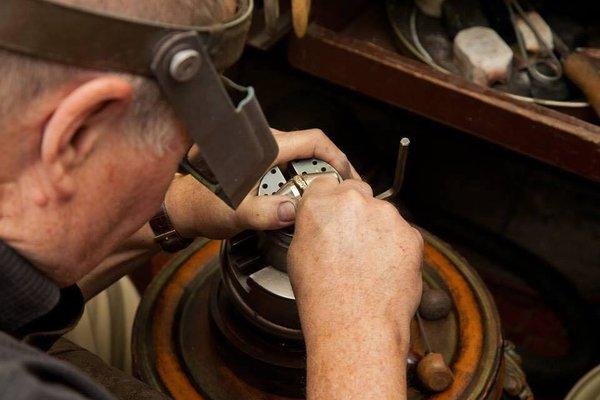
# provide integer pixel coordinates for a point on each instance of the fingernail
(286, 212)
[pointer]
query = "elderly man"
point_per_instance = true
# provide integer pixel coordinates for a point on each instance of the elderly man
(89, 157)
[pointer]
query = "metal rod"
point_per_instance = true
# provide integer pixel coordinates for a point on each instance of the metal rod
(392, 192)
(514, 8)
(400, 165)
(423, 333)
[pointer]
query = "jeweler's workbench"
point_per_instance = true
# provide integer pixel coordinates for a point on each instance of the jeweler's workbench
(353, 47)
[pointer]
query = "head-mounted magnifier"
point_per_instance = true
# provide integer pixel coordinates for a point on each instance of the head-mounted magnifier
(232, 135)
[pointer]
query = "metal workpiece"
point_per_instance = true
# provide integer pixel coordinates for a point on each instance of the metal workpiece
(391, 194)
(289, 189)
(302, 182)
(310, 178)
(300, 175)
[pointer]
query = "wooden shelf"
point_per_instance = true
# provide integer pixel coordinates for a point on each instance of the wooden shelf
(362, 57)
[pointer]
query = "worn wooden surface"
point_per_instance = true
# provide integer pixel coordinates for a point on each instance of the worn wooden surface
(362, 57)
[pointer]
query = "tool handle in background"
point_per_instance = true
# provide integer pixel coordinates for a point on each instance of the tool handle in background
(581, 70)
(300, 16)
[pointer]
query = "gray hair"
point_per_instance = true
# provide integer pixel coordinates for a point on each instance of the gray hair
(149, 119)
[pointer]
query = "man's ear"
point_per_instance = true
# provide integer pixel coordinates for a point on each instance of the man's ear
(69, 134)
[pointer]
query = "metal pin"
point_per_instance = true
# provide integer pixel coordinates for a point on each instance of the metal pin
(392, 193)
(185, 64)
(432, 370)
(423, 333)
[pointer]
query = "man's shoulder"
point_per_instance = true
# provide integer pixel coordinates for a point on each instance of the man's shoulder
(11, 349)
(27, 373)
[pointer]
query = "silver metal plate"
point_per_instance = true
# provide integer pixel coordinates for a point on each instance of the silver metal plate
(271, 182)
(274, 179)
(273, 281)
(311, 166)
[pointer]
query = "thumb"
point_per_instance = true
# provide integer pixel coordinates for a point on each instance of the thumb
(267, 212)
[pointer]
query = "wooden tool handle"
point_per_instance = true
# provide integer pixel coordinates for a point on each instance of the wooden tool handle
(300, 14)
(433, 373)
(581, 70)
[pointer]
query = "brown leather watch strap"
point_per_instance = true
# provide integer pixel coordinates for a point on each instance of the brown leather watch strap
(165, 234)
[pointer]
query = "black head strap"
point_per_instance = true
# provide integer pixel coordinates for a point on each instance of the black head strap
(86, 38)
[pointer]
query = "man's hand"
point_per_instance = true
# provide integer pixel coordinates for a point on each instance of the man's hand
(195, 211)
(355, 268)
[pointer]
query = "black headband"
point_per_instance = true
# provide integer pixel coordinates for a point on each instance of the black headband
(86, 38)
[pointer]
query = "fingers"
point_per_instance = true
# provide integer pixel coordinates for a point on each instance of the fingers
(328, 184)
(321, 185)
(266, 212)
(313, 143)
(360, 186)
(274, 212)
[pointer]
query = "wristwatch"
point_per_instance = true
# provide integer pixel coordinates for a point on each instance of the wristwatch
(165, 233)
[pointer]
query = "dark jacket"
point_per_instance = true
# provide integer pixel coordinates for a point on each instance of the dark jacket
(35, 311)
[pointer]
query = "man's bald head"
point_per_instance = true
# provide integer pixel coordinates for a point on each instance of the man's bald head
(26, 78)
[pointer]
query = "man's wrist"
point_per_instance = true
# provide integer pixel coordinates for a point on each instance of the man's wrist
(358, 359)
(195, 211)
(386, 329)
(323, 313)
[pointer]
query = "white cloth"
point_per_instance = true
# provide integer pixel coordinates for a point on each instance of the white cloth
(106, 325)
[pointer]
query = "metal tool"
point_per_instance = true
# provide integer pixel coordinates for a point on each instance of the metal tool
(552, 62)
(300, 175)
(391, 194)
(580, 69)
(432, 370)
(422, 332)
